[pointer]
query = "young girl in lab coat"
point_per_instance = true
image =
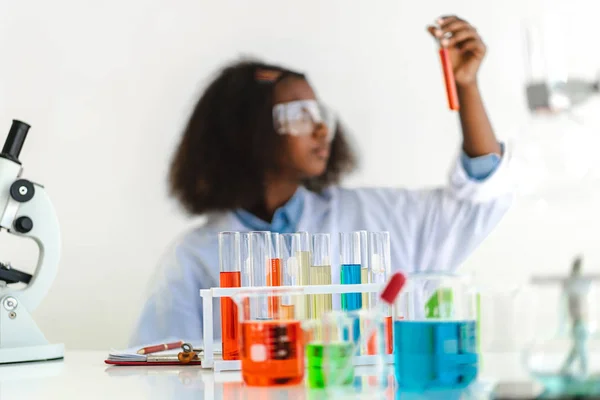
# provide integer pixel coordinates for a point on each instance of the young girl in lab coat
(261, 153)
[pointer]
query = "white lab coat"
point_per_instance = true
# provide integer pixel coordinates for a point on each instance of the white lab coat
(430, 230)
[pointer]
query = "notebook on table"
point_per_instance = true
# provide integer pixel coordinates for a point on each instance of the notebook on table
(130, 357)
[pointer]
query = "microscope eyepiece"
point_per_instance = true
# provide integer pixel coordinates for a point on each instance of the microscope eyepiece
(15, 140)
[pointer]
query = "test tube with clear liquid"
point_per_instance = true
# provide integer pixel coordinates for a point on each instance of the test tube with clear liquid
(304, 257)
(295, 273)
(320, 273)
(380, 267)
(365, 271)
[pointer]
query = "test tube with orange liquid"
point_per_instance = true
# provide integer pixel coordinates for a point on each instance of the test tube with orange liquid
(448, 70)
(274, 277)
(229, 276)
(380, 265)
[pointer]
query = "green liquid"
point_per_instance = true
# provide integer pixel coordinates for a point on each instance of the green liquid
(329, 361)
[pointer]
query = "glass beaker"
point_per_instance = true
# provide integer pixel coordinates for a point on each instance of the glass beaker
(564, 355)
(330, 349)
(271, 349)
(229, 276)
(435, 341)
(331, 359)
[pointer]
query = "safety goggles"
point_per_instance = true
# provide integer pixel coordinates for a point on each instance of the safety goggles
(300, 118)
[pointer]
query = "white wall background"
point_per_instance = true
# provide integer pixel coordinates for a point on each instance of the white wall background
(107, 87)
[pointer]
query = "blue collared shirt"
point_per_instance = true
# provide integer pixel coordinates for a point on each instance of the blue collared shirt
(286, 217)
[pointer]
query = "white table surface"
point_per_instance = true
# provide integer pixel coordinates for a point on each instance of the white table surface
(84, 375)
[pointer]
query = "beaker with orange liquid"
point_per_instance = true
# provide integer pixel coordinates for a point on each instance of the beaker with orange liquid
(271, 349)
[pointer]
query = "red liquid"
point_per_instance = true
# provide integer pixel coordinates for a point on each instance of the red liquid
(272, 353)
(453, 103)
(274, 279)
(229, 317)
(389, 343)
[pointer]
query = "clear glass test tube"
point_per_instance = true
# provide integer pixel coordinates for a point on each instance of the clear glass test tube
(246, 267)
(320, 273)
(365, 271)
(380, 269)
(274, 274)
(260, 254)
(303, 256)
(350, 271)
(229, 276)
(290, 271)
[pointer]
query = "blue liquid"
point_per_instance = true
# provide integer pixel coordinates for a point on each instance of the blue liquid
(350, 275)
(435, 354)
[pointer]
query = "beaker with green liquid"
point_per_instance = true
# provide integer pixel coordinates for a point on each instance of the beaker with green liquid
(330, 348)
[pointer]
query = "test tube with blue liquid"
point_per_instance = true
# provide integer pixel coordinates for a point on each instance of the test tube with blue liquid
(435, 349)
(350, 273)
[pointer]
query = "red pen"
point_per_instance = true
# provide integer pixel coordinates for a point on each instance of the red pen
(160, 347)
(453, 103)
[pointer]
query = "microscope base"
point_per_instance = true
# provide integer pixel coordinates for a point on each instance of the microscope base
(32, 353)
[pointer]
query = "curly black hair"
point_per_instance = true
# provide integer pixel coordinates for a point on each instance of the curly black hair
(228, 143)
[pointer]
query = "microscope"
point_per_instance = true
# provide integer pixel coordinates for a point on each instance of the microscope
(25, 210)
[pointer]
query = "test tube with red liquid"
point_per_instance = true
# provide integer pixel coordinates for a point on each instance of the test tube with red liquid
(229, 276)
(380, 265)
(447, 68)
(274, 277)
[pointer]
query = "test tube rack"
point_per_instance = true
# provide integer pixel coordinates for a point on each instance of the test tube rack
(209, 295)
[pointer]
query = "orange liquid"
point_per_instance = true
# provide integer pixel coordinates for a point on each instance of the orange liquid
(389, 343)
(274, 279)
(272, 353)
(229, 317)
(453, 103)
(287, 312)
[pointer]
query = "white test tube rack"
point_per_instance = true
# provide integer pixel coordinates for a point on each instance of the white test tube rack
(209, 295)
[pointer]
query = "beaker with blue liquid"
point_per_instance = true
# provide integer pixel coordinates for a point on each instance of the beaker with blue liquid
(435, 333)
